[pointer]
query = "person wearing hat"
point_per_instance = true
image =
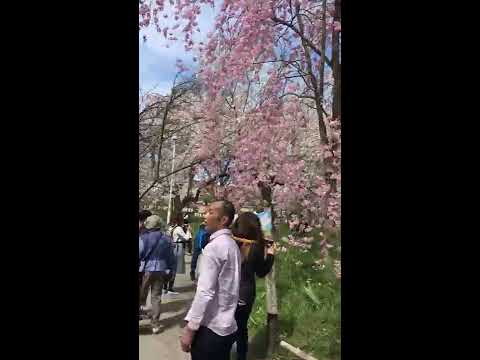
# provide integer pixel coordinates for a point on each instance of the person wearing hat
(157, 261)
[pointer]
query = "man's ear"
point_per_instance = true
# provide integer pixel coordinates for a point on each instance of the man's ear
(224, 220)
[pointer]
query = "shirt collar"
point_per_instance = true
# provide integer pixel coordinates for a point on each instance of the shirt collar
(220, 232)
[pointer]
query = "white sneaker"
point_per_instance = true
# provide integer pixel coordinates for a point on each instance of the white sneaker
(173, 293)
(156, 330)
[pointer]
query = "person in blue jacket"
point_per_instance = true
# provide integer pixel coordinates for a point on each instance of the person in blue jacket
(157, 261)
(200, 241)
(142, 216)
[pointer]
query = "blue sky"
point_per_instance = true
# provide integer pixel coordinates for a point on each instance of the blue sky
(157, 63)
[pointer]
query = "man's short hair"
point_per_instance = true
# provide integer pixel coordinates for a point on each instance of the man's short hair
(228, 210)
(144, 214)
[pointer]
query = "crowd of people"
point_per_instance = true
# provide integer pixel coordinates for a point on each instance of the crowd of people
(228, 253)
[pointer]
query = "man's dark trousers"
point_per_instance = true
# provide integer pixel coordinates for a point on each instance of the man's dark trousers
(208, 345)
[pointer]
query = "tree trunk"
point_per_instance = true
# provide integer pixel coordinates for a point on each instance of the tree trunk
(336, 107)
(272, 312)
(191, 175)
(322, 124)
(153, 163)
(313, 80)
(270, 283)
(176, 208)
(323, 42)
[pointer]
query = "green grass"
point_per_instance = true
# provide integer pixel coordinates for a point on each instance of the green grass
(309, 302)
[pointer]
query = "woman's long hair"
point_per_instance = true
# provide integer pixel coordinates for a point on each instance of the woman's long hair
(247, 226)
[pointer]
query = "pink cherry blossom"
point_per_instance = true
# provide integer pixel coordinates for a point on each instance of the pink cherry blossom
(243, 51)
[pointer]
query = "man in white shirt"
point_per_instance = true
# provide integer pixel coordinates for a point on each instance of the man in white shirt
(210, 330)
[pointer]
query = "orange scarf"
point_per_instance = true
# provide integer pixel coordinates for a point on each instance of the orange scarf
(245, 245)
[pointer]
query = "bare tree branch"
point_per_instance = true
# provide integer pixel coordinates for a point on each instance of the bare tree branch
(299, 96)
(302, 36)
(159, 180)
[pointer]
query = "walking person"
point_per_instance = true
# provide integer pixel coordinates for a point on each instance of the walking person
(187, 230)
(211, 326)
(142, 216)
(157, 261)
(200, 241)
(179, 239)
(257, 260)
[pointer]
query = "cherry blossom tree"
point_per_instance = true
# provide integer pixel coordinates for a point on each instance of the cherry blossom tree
(281, 45)
(271, 77)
